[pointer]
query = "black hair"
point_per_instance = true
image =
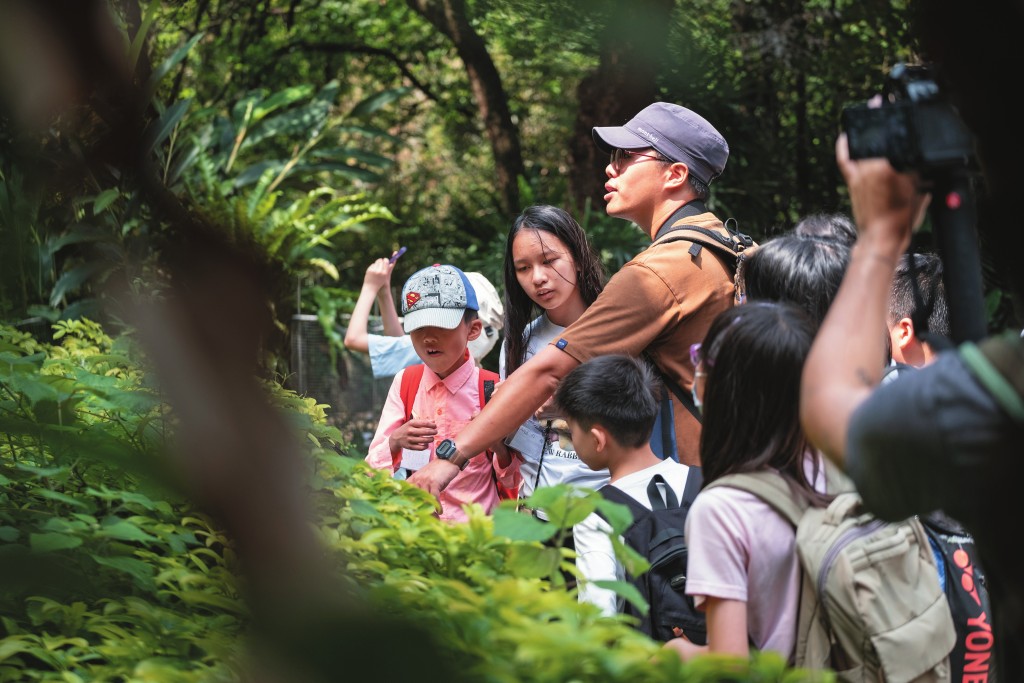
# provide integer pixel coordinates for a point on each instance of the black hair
(618, 392)
(699, 186)
(923, 273)
(470, 315)
(837, 226)
(806, 271)
(519, 307)
(753, 357)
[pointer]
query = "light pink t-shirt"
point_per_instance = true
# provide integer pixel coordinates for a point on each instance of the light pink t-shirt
(742, 549)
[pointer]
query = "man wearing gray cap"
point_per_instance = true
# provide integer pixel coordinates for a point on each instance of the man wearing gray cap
(658, 304)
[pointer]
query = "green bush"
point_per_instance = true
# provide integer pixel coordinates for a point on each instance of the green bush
(110, 574)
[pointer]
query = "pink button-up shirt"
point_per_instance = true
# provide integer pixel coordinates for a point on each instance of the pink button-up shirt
(451, 403)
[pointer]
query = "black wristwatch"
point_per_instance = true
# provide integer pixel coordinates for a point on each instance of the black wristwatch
(447, 450)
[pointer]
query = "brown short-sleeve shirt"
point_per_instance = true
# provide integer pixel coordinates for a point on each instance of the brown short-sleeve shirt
(660, 302)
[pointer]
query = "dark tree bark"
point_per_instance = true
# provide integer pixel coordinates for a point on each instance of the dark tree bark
(449, 17)
(633, 47)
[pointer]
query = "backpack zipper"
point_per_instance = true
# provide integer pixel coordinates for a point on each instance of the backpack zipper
(848, 537)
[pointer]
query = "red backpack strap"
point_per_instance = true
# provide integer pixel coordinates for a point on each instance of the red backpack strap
(411, 378)
(488, 380)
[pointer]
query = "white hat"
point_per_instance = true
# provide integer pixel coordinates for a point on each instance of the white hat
(491, 313)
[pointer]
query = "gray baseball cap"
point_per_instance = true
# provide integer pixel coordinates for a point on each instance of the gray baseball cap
(437, 296)
(677, 133)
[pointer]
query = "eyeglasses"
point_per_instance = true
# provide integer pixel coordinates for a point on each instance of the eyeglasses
(619, 157)
(696, 357)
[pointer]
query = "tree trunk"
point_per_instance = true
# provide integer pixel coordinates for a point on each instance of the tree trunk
(633, 49)
(449, 17)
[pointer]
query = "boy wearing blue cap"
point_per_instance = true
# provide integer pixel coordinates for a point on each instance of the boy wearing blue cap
(440, 310)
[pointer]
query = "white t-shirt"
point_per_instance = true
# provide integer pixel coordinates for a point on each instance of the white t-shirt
(595, 558)
(742, 549)
(561, 465)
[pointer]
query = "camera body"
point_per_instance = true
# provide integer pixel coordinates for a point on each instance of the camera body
(915, 128)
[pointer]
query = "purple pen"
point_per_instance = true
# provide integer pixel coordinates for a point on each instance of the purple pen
(397, 254)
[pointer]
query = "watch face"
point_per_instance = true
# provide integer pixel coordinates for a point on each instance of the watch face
(445, 449)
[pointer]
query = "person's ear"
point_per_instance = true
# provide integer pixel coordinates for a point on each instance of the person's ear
(903, 333)
(475, 328)
(600, 436)
(677, 175)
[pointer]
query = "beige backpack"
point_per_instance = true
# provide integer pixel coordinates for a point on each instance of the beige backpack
(871, 607)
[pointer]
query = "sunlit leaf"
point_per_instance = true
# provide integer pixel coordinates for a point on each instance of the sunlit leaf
(519, 526)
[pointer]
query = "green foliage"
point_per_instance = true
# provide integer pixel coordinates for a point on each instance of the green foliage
(106, 575)
(109, 575)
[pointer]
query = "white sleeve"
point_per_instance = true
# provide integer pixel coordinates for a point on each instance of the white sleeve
(595, 560)
(388, 355)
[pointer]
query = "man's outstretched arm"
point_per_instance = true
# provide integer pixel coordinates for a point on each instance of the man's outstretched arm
(520, 396)
(848, 355)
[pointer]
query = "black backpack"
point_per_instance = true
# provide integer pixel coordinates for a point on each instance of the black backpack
(657, 534)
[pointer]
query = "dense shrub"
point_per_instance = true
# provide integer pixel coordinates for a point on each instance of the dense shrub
(109, 574)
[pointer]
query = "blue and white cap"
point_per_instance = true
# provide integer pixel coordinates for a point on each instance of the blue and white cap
(437, 296)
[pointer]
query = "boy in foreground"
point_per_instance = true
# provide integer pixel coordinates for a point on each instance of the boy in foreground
(610, 403)
(440, 315)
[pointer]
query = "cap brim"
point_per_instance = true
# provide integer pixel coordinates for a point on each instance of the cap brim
(447, 318)
(610, 138)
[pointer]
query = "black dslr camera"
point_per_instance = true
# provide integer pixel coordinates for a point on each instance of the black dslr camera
(915, 128)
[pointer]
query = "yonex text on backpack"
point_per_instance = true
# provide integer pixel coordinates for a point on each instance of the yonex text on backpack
(870, 604)
(657, 534)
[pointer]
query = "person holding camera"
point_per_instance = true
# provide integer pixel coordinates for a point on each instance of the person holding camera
(947, 436)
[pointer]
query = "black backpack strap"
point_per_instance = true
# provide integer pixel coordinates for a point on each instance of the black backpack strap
(685, 399)
(694, 480)
(654, 495)
(617, 495)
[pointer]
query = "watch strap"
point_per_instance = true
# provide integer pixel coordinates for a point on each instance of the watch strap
(459, 459)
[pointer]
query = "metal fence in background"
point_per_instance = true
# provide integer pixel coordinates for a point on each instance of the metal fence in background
(343, 381)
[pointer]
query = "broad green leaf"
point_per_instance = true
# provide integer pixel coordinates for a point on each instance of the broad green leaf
(618, 516)
(142, 572)
(9, 534)
(11, 363)
(199, 598)
(172, 61)
(628, 591)
(72, 279)
(158, 131)
(307, 121)
(531, 561)
(34, 387)
(13, 645)
(124, 530)
(43, 472)
(104, 199)
(44, 543)
(139, 40)
(63, 525)
(374, 102)
(519, 526)
(282, 98)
